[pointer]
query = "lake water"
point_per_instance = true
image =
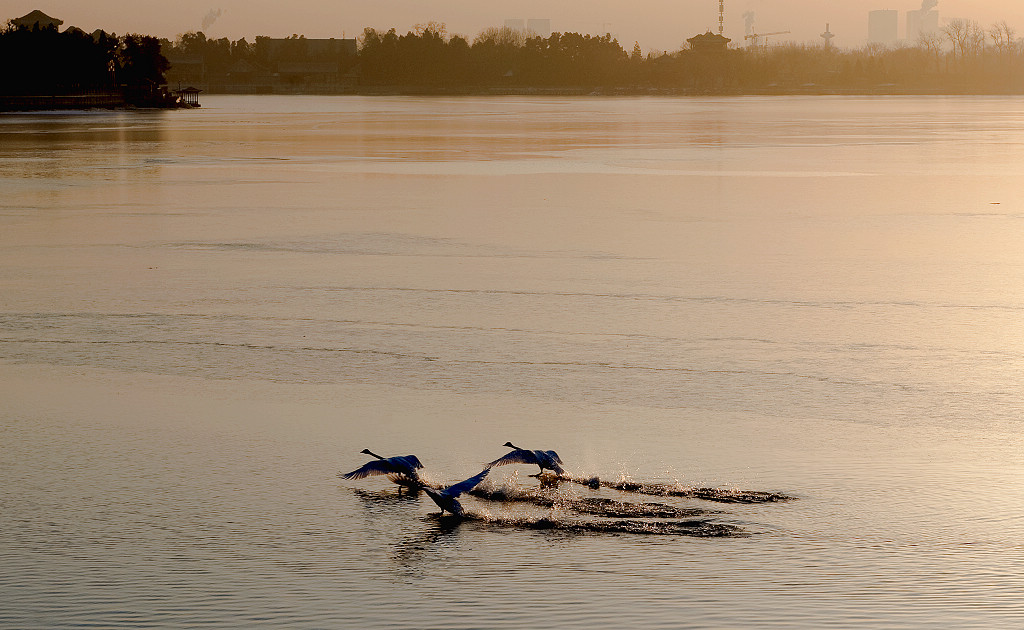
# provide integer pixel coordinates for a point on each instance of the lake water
(205, 315)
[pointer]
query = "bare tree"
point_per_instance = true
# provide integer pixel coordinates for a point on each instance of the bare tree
(439, 29)
(956, 32)
(931, 43)
(1004, 37)
(501, 36)
(975, 38)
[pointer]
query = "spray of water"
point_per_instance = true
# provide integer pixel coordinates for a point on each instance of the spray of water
(718, 495)
(699, 528)
(591, 506)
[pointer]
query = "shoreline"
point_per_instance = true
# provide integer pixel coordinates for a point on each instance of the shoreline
(803, 90)
(75, 102)
(113, 101)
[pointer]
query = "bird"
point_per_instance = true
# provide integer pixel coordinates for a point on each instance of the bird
(401, 469)
(445, 498)
(544, 459)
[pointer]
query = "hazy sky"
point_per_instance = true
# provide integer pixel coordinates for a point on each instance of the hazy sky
(656, 24)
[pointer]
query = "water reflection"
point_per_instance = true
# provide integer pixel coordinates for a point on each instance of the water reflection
(413, 549)
(100, 137)
(384, 502)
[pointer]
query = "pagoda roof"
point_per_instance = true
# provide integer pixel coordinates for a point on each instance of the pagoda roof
(37, 17)
(708, 40)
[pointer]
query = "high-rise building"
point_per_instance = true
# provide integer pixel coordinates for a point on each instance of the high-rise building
(883, 26)
(539, 27)
(516, 24)
(920, 22)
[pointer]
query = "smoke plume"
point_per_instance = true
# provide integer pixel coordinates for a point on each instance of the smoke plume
(748, 21)
(212, 16)
(928, 5)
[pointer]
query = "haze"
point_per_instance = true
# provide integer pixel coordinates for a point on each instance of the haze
(655, 24)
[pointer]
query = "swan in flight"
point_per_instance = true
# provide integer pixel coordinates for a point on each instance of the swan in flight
(445, 498)
(401, 469)
(544, 459)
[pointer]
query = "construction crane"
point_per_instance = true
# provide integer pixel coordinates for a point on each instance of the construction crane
(753, 37)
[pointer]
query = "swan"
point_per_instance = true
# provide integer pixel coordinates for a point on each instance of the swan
(445, 498)
(401, 469)
(544, 459)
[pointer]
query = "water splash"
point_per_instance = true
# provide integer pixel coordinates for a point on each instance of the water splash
(608, 508)
(718, 495)
(699, 528)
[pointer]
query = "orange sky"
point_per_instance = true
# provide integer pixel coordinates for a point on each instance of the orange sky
(656, 24)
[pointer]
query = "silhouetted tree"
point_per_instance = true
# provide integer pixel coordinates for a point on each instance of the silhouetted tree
(140, 61)
(45, 61)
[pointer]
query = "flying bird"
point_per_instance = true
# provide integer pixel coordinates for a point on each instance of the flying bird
(544, 459)
(445, 498)
(401, 469)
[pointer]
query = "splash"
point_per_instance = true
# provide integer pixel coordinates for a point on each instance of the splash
(607, 508)
(698, 528)
(718, 495)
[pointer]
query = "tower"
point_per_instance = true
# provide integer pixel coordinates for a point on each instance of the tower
(827, 36)
(721, 16)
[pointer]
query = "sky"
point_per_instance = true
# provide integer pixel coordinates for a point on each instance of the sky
(656, 24)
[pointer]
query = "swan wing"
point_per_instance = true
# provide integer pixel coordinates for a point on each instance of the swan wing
(376, 467)
(553, 456)
(408, 461)
(517, 456)
(455, 490)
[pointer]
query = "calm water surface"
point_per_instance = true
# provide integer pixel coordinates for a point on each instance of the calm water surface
(205, 315)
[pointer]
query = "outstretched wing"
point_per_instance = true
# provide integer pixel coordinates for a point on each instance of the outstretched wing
(554, 456)
(407, 460)
(376, 467)
(455, 490)
(518, 456)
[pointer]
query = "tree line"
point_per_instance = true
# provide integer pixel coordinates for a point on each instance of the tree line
(962, 57)
(44, 61)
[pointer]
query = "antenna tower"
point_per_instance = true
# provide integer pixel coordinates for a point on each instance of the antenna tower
(721, 16)
(827, 35)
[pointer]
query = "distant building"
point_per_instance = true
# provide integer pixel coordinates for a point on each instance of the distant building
(297, 63)
(539, 27)
(921, 22)
(516, 25)
(186, 70)
(709, 41)
(883, 26)
(37, 19)
(302, 49)
(309, 72)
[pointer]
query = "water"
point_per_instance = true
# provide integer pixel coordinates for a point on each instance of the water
(207, 314)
